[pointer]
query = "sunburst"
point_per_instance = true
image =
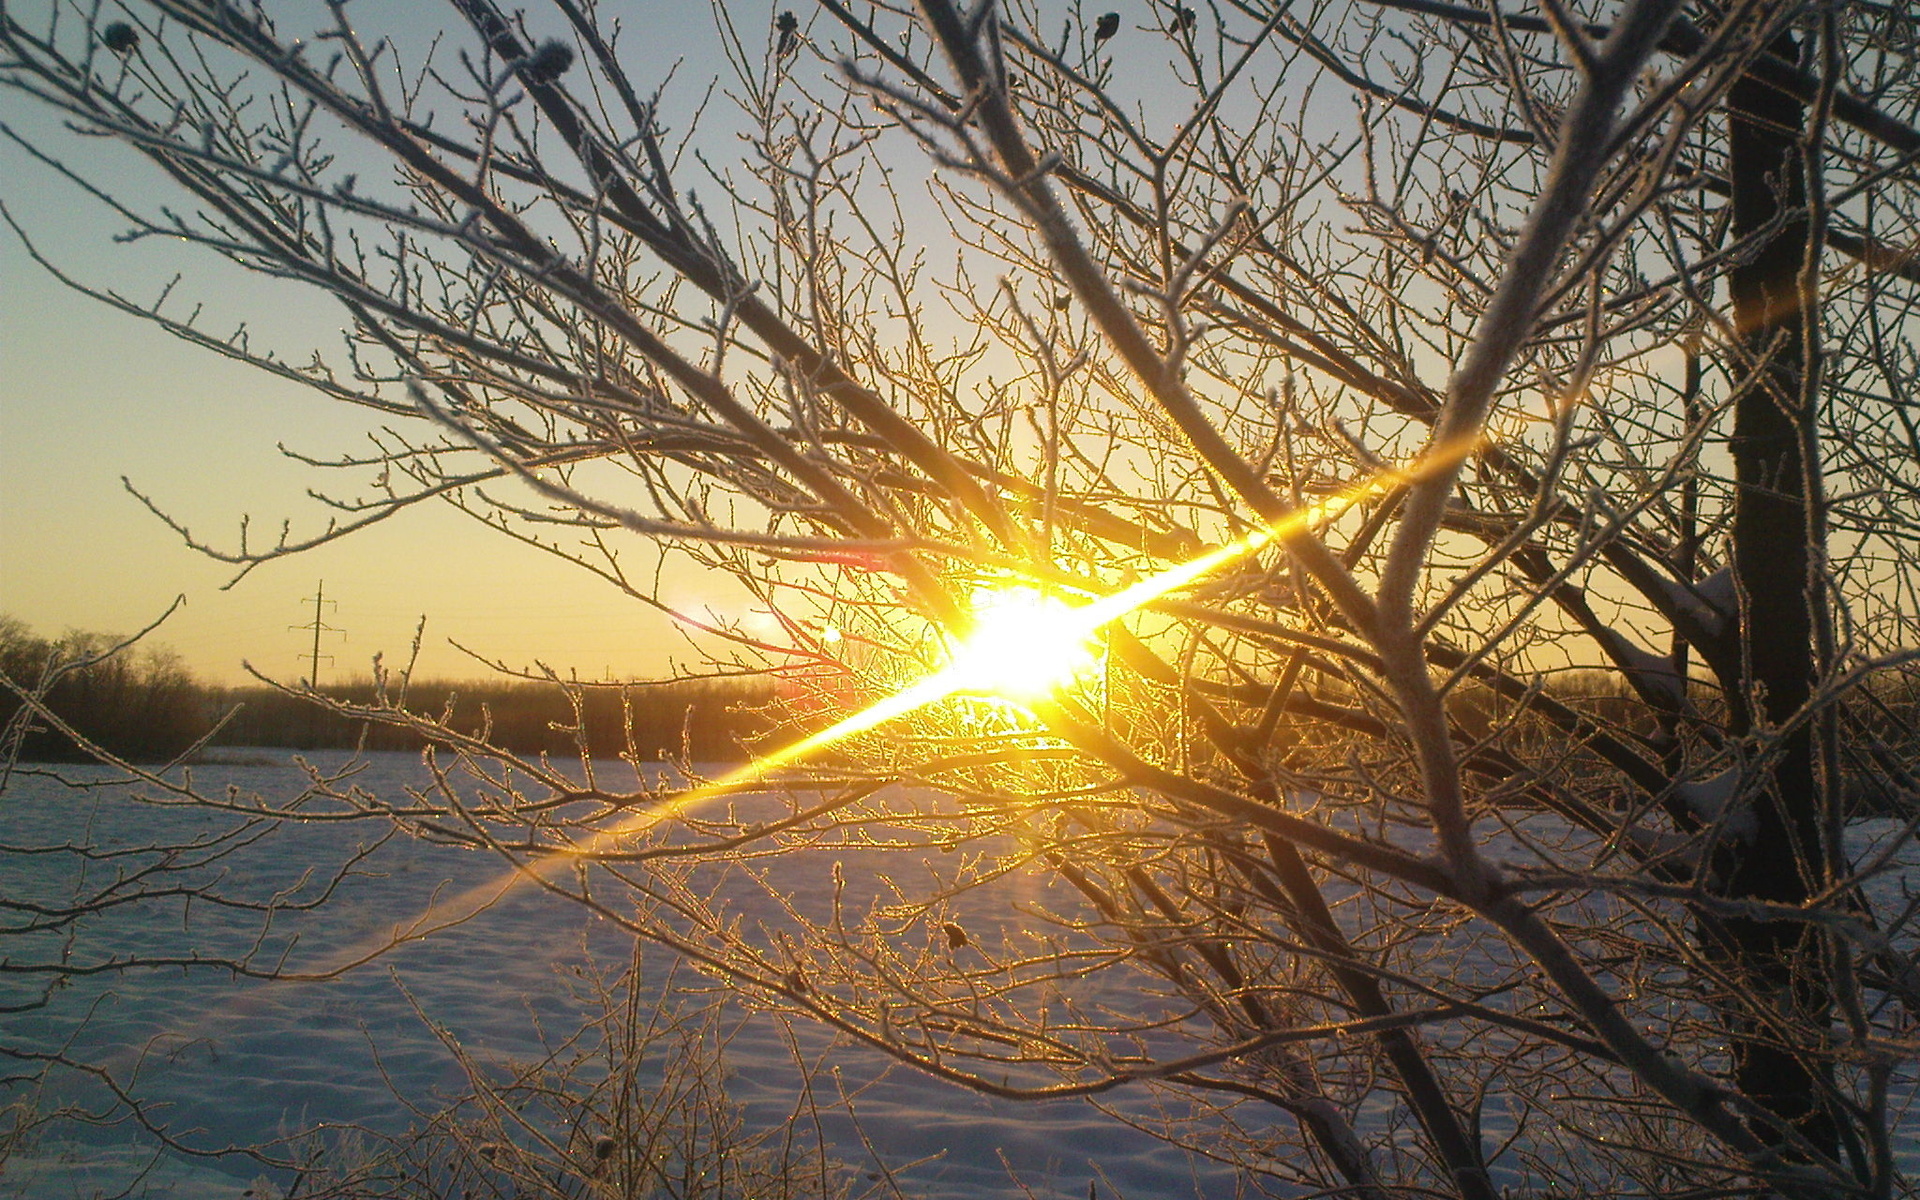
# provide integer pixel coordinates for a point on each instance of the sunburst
(1023, 645)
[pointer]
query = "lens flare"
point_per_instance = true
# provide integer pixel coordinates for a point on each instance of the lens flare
(1023, 645)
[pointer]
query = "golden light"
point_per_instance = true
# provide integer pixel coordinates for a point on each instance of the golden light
(1023, 645)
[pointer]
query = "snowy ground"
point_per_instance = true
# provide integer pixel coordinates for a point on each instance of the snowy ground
(233, 1062)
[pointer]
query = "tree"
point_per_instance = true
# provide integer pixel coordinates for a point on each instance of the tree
(142, 705)
(1330, 383)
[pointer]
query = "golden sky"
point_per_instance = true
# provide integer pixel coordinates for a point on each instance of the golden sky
(88, 395)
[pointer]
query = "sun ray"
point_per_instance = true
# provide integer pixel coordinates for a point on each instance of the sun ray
(1082, 622)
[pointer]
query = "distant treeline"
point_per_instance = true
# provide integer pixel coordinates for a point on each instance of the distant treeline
(141, 703)
(144, 705)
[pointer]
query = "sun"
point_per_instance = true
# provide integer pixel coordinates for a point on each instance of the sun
(1024, 644)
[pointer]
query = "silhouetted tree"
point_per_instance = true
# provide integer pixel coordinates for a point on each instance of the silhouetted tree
(133, 702)
(1361, 366)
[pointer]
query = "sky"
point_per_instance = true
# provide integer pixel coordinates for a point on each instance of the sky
(89, 395)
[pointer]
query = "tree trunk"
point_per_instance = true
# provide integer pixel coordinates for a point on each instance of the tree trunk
(1776, 965)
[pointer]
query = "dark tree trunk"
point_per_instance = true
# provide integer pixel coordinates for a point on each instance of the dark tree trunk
(1777, 965)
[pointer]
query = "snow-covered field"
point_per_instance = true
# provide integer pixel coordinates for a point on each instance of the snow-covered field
(232, 1062)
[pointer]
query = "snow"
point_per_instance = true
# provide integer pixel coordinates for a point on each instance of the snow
(1714, 799)
(235, 1062)
(1654, 672)
(1711, 601)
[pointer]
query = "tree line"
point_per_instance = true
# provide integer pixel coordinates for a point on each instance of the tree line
(141, 703)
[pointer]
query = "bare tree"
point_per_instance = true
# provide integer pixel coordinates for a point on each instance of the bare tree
(1460, 462)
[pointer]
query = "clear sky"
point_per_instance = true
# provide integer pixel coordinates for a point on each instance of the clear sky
(88, 395)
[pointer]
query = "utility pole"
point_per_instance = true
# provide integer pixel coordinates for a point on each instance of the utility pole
(319, 626)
